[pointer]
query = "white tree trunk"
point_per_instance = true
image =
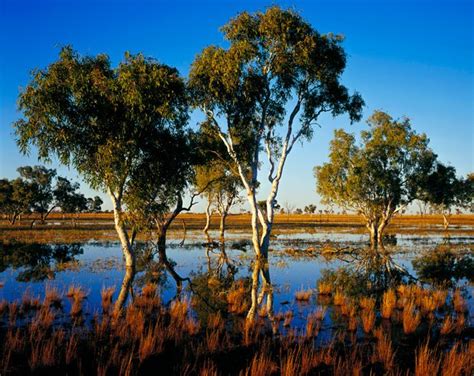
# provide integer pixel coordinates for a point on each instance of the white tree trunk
(208, 221)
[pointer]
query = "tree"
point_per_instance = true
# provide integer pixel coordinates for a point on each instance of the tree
(67, 198)
(216, 178)
(381, 176)
(447, 191)
(40, 180)
(15, 198)
(94, 205)
(310, 209)
(108, 123)
(275, 59)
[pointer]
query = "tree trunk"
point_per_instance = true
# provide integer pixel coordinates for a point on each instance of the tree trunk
(124, 290)
(222, 226)
(125, 242)
(445, 222)
(374, 236)
(208, 221)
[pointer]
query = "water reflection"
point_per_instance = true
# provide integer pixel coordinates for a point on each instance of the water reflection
(368, 271)
(37, 262)
(444, 266)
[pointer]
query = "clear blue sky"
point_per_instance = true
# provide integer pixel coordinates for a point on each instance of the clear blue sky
(412, 58)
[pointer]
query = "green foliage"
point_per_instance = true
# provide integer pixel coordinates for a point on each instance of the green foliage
(66, 197)
(446, 190)
(40, 182)
(101, 120)
(387, 171)
(94, 205)
(310, 209)
(122, 128)
(273, 58)
(215, 175)
(15, 198)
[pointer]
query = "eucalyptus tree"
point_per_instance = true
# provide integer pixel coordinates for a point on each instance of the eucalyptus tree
(388, 170)
(216, 178)
(15, 198)
(40, 180)
(310, 209)
(447, 191)
(274, 60)
(94, 204)
(108, 123)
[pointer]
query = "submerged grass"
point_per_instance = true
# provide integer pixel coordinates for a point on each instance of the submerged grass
(148, 336)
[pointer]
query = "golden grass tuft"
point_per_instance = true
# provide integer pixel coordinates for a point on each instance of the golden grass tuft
(368, 320)
(237, 299)
(426, 361)
(106, 295)
(384, 352)
(410, 318)
(367, 303)
(324, 288)
(303, 295)
(459, 303)
(389, 301)
(339, 298)
(261, 365)
(448, 326)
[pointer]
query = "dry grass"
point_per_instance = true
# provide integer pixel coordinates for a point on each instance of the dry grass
(459, 303)
(411, 319)
(324, 288)
(237, 299)
(426, 361)
(448, 326)
(149, 335)
(368, 320)
(367, 303)
(339, 298)
(303, 295)
(389, 301)
(106, 299)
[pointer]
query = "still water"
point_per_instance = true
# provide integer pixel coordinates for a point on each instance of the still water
(297, 262)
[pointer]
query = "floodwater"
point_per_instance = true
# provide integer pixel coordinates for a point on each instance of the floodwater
(297, 262)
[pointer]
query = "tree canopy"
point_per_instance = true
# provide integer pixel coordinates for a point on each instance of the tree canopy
(114, 125)
(274, 60)
(391, 167)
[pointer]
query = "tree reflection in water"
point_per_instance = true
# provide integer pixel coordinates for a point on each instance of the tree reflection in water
(37, 262)
(369, 271)
(445, 265)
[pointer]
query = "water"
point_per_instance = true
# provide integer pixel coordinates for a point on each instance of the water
(296, 263)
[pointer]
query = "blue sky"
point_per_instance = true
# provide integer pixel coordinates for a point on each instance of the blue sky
(412, 58)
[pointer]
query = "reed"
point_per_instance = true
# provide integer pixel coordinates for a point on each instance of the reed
(459, 303)
(448, 326)
(303, 295)
(427, 362)
(367, 303)
(368, 320)
(410, 318)
(389, 301)
(106, 295)
(324, 288)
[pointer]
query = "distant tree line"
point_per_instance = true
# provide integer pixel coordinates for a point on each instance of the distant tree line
(38, 190)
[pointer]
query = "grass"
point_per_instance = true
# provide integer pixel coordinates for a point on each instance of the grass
(303, 295)
(149, 335)
(99, 226)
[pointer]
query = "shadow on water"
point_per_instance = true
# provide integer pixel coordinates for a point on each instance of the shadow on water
(442, 266)
(367, 272)
(37, 262)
